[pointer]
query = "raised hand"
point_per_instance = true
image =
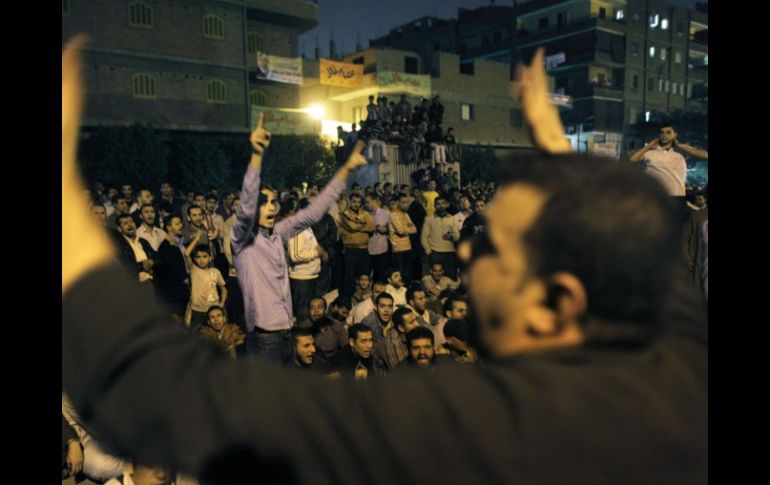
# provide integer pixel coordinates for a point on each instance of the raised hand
(260, 138)
(356, 158)
(540, 113)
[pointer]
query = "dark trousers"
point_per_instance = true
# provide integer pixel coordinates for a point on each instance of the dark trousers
(415, 264)
(235, 312)
(402, 261)
(337, 268)
(380, 264)
(274, 347)
(356, 263)
(301, 293)
(448, 260)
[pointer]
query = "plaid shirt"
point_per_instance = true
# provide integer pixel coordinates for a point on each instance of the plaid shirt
(391, 351)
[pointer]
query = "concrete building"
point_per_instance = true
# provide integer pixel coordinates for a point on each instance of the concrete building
(184, 64)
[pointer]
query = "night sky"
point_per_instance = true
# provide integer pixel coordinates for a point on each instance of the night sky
(375, 18)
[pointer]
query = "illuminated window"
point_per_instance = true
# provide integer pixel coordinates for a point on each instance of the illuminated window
(660, 85)
(216, 92)
(213, 27)
(619, 15)
(467, 112)
(632, 116)
(646, 116)
(256, 42)
(140, 15)
(652, 51)
(663, 54)
(256, 97)
(664, 24)
(667, 86)
(654, 20)
(144, 86)
(678, 57)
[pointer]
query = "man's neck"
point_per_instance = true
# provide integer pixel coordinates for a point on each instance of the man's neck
(149, 227)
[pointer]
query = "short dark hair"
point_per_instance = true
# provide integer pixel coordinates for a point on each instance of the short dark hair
(171, 217)
(341, 301)
(356, 329)
(199, 194)
(193, 206)
(355, 195)
(117, 197)
(389, 272)
(383, 296)
(201, 248)
(449, 304)
(417, 334)
(374, 196)
(609, 225)
(412, 290)
(211, 197)
(146, 205)
(398, 315)
(212, 308)
(316, 298)
(120, 217)
(297, 332)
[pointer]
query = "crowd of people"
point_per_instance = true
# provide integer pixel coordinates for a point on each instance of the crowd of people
(417, 131)
(367, 283)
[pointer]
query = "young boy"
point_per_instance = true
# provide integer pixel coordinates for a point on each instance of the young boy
(218, 330)
(204, 281)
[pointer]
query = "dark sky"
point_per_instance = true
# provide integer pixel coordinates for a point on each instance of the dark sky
(375, 18)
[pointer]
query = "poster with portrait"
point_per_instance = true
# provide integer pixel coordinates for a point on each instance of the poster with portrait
(279, 69)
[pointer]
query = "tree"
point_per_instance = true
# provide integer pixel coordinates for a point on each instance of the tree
(479, 163)
(293, 159)
(136, 154)
(198, 162)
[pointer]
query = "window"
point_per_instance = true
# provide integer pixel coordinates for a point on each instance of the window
(681, 89)
(144, 86)
(635, 82)
(650, 84)
(561, 19)
(632, 116)
(140, 15)
(689, 90)
(467, 68)
(652, 51)
(542, 23)
(663, 54)
(256, 42)
(678, 57)
(674, 88)
(213, 27)
(667, 86)
(660, 85)
(65, 7)
(410, 65)
(216, 92)
(467, 112)
(516, 119)
(654, 20)
(602, 13)
(647, 116)
(619, 15)
(257, 97)
(664, 24)
(497, 37)
(634, 48)
(635, 15)
(680, 28)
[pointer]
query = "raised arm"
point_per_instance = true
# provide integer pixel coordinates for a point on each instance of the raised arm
(246, 216)
(313, 213)
(638, 155)
(692, 151)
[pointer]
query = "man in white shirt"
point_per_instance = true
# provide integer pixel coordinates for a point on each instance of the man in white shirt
(363, 309)
(396, 287)
(147, 230)
(378, 241)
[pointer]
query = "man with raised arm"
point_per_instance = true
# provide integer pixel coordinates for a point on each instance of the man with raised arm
(258, 254)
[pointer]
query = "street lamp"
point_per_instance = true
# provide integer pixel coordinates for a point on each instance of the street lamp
(315, 111)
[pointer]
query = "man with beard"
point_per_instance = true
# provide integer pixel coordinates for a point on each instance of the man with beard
(421, 353)
(170, 270)
(474, 223)
(136, 254)
(148, 230)
(380, 319)
(329, 335)
(439, 234)
(599, 351)
(392, 349)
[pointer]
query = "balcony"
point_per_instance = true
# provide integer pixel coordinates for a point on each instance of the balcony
(595, 90)
(531, 37)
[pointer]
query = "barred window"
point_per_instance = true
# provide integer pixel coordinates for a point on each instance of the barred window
(144, 86)
(213, 27)
(257, 97)
(216, 92)
(256, 42)
(140, 15)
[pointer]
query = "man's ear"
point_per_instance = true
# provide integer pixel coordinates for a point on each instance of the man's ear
(566, 301)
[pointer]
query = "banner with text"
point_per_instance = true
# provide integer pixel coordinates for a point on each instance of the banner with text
(415, 84)
(279, 69)
(281, 122)
(336, 73)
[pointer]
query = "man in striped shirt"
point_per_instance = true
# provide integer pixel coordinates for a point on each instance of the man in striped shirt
(258, 254)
